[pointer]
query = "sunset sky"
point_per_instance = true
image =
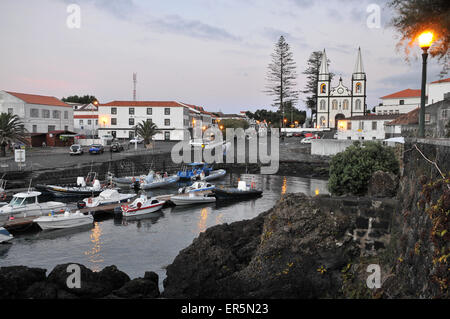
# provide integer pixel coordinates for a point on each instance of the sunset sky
(212, 53)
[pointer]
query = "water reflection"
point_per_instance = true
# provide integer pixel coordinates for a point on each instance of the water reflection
(203, 218)
(284, 186)
(94, 254)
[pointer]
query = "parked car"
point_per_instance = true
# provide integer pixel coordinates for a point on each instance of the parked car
(96, 149)
(299, 134)
(116, 147)
(137, 140)
(76, 149)
(306, 140)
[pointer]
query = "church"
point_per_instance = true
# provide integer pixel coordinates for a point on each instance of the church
(340, 102)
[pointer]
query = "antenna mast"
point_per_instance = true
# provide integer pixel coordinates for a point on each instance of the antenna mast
(134, 86)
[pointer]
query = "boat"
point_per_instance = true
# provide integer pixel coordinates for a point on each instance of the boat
(5, 236)
(109, 196)
(127, 180)
(241, 192)
(209, 176)
(64, 221)
(152, 181)
(2, 191)
(26, 204)
(141, 206)
(197, 187)
(193, 170)
(81, 189)
(192, 198)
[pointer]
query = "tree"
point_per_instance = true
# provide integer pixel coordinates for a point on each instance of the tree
(312, 77)
(86, 99)
(146, 130)
(11, 130)
(415, 16)
(351, 170)
(281, 76)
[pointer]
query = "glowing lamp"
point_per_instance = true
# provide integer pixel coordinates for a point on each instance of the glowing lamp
(426, 39)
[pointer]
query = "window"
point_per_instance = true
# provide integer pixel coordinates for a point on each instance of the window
(361, 125)
(349, 125)
(81, 122)
(322, 105)
(374, 126)
(322, 121)
(66, 115)
(167, 136)
(113, 121)
(427, 118)
(34, 128)
(131, 134)
(444, 114)
(167, 122)
(167, 111)
(10, 111)
(323, 88)
(397, 112)
(334, 104)
(358, 87)
(46, 114)
(131, 121)
(345, 104)
(149, 111)
(391, 111)
(131, 111)
(66, 128)
(34, 113)
(114, 110)
(89, 122)
(56, 114)
(358, 105)
(51, 128)
(402, 102)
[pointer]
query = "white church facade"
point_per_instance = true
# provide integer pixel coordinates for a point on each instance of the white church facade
(340, 102)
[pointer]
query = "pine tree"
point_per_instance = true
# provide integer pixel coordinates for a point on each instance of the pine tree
(312, 76)
(281, 76)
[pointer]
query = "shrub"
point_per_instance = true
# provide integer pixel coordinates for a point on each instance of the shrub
(351, 170)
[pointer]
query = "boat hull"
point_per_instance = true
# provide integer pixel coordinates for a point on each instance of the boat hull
(195, 200)
(224, 194)
(51, 222)
(167, 181)
(69, 192)
(215, 175)
(142, 210)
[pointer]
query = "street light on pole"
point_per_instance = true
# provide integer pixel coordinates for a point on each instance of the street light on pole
(425, 41)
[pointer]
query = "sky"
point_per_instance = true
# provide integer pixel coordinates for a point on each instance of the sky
(212, 53)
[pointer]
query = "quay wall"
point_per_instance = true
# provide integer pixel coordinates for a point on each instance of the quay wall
(329, 147)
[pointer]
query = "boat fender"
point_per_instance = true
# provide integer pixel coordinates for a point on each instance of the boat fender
(3, 196)
(139, 205)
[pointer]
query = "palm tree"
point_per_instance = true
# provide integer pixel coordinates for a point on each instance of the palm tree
(146, 130)
(11, 130)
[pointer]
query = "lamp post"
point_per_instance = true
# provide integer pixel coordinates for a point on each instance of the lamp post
(425, 41)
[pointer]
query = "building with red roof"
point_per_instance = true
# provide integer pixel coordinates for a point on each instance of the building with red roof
(39, 113)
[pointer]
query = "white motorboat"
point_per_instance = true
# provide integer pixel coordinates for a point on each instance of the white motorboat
(5, 236)
(192, 198)
(152, 181)
(66, 220)
(127, 180)
(197, 187)
(26, 205)
(142, 205)
(109, 196)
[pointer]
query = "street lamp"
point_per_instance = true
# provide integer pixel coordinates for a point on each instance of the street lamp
(425, 41)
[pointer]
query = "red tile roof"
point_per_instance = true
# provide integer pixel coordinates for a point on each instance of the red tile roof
(85, 116)
(408, 118)
(144, 103)
(38, 99)
(405, 93)
(373, 117)
(441, 81)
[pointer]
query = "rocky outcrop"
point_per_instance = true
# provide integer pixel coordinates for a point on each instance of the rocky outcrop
(32, 283)
(383, 184)
(298, 249)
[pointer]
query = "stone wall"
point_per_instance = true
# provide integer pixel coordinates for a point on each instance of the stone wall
(329, 147)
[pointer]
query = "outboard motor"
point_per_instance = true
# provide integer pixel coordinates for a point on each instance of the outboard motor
(97, 185)
(81, 204)
(81, 182)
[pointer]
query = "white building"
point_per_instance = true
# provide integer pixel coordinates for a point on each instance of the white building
(399, 102)
(437, 89)
(118, 118)
(335, 103)
(39, 113)
(366, 127)
(85, 119)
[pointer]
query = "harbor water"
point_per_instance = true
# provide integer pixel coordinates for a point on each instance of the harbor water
(150, 243)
